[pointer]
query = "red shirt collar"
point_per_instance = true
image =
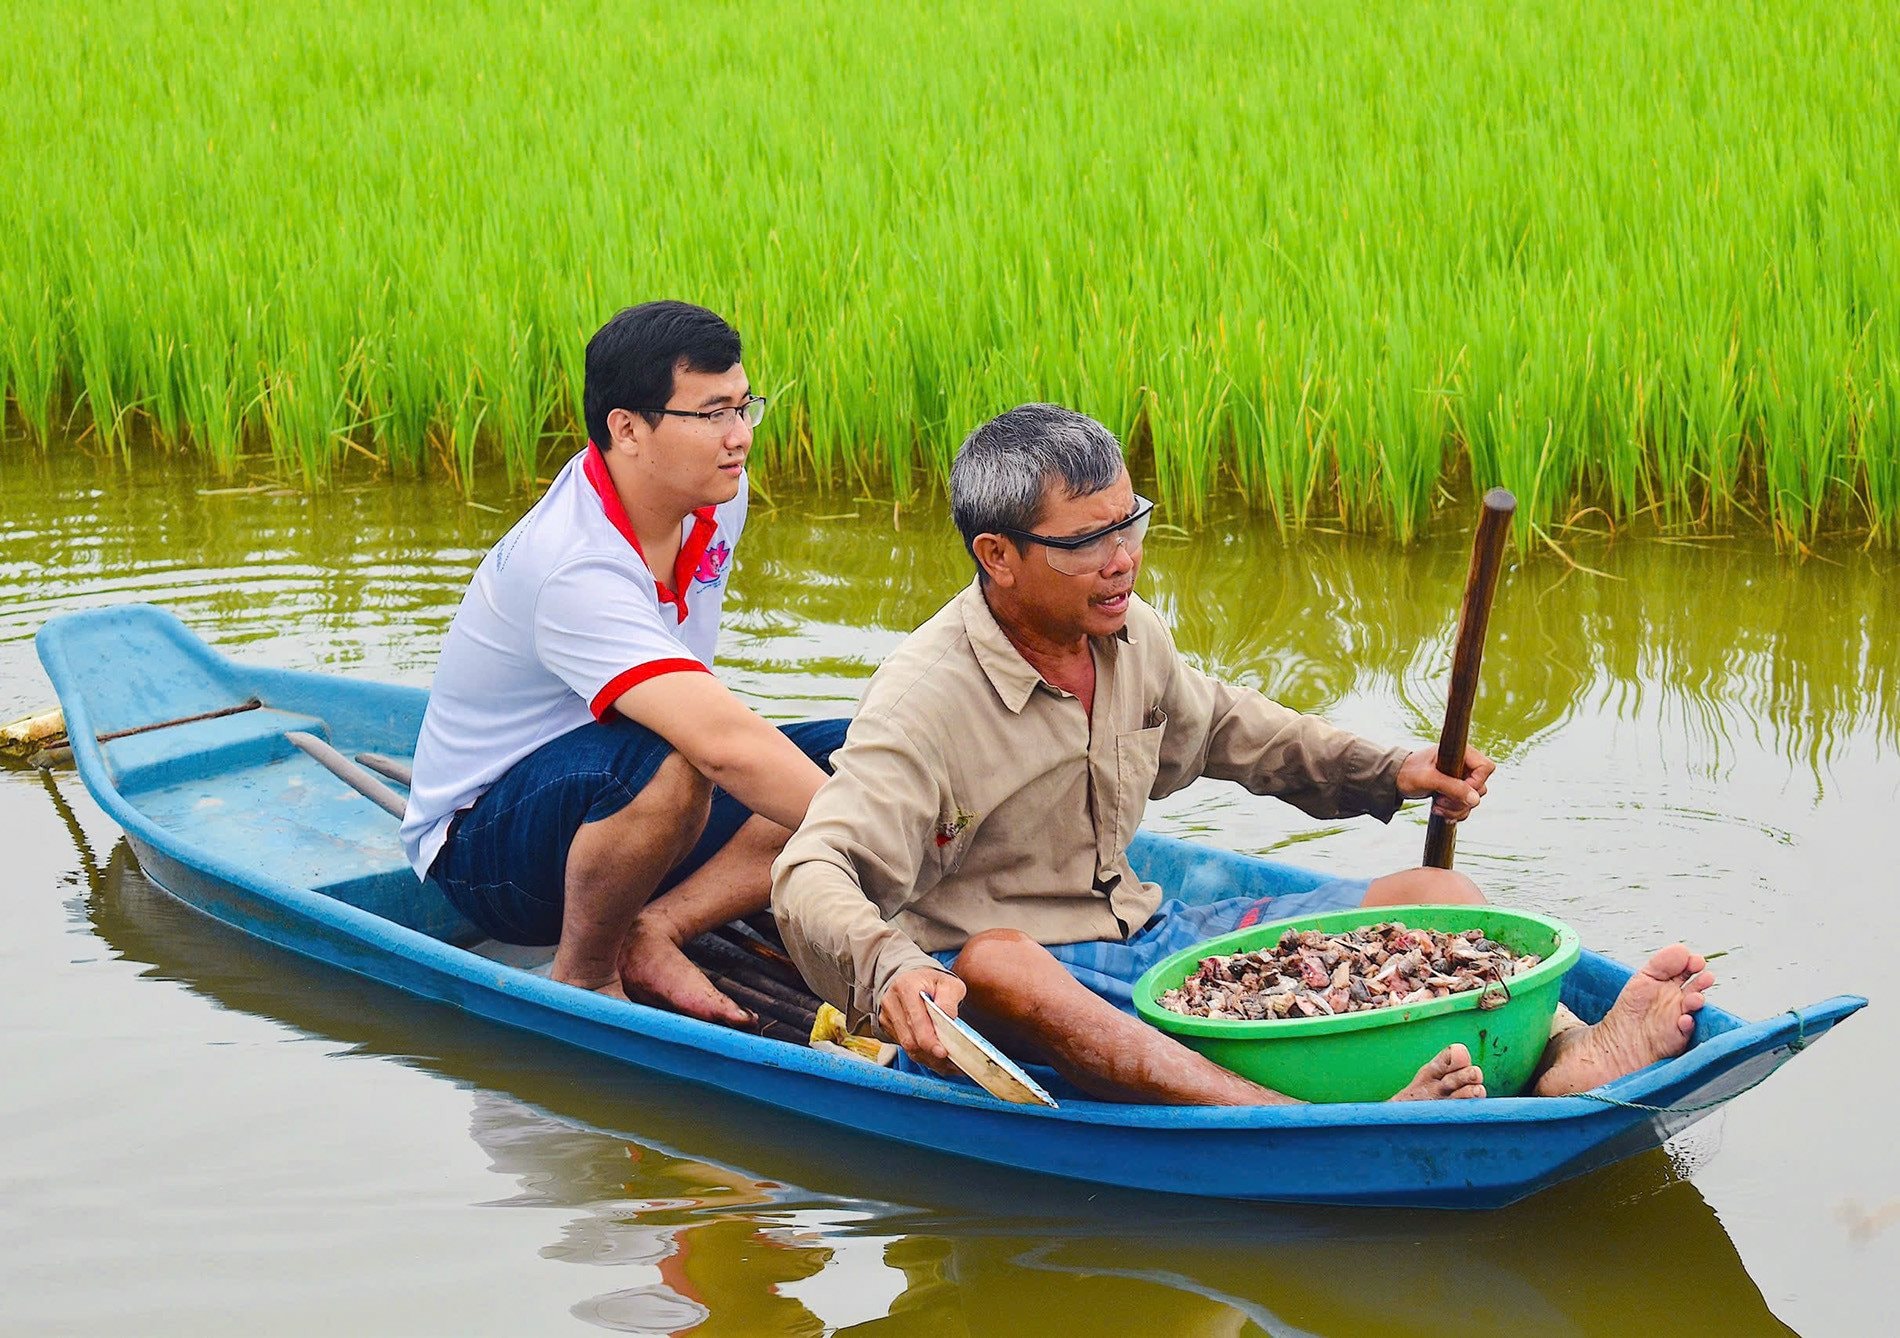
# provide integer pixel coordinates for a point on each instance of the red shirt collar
(691, 550)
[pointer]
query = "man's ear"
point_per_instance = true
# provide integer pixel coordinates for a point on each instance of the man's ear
(994, 553)
(626, 429)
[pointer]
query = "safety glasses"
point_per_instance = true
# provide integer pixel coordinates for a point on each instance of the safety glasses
(1081, 554)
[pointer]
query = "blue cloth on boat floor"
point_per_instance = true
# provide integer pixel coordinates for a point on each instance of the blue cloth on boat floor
(504, 865)
(1111, 969)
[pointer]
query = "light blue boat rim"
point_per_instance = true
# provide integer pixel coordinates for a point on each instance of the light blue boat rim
(1723, 1042)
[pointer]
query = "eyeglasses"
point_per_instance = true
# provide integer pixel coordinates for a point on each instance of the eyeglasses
(750, 411)
(1081, 554)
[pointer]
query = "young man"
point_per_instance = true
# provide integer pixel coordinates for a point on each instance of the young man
(973, 844)
(575, 733)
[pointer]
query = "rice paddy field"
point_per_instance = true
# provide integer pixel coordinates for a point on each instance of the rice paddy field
(1349, 261)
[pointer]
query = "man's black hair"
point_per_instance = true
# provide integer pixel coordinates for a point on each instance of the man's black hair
(631, 359)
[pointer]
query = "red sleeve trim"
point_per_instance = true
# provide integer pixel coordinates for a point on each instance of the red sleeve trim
(604, 699)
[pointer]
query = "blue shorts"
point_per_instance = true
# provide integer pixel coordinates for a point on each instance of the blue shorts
(504, 865)
(1111, 969)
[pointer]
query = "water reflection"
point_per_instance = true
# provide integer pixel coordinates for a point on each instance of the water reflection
(658, 1190)
(1723, 643)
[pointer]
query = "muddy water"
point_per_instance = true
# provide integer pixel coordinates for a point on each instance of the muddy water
(203, 1135)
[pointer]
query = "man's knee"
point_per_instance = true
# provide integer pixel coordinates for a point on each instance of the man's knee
(677, 783)
(676, 800)
(1443, 887)
(682, 795)
(1454, 888)
(997, 955)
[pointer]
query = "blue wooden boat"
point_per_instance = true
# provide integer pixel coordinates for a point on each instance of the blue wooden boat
(226, 814)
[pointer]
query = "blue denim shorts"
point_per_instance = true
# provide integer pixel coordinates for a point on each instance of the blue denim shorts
(504, 865)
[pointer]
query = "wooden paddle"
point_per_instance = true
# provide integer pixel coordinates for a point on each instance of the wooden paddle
(985, 1065)
(1487, 556)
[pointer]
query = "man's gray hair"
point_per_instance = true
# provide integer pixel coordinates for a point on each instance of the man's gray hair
(1004, 467)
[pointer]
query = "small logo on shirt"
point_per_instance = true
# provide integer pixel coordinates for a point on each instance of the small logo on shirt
(712, 564)
(951, 828)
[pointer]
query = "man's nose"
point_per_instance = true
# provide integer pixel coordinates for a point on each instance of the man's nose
(741, 434)
(1125, 559)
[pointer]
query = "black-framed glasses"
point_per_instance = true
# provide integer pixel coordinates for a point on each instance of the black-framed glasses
(750, 411)
(1080, 554)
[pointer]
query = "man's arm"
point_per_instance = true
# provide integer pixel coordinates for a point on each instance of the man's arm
(861, 855)
(727, 742)
(603, 636)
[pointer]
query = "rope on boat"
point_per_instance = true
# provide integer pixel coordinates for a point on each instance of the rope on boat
(1795, 1047)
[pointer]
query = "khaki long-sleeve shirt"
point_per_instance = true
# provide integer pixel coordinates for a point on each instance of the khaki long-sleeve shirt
(971, 795)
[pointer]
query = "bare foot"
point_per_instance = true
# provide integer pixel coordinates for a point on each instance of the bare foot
(607, 983)
(655, 971)
(1449, 1077)
(1651, 1019)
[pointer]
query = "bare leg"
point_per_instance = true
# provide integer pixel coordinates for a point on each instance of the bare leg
(736, 881)
(614, 864)
(1037, 1009)
(1650, 1020)
(1423, 887)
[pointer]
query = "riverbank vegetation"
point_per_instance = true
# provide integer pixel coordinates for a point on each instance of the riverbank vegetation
(1351, 260)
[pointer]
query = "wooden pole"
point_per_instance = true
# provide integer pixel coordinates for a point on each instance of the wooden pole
(775, 962)
(348, 772)
(48, 731)
(248, 704)
(765, 1006)
(1487, 557)
(400, 772)
(713, 953)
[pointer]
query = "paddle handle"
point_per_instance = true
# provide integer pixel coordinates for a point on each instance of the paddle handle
(1481, 582)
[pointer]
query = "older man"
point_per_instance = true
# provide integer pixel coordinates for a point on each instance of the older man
(972, 843)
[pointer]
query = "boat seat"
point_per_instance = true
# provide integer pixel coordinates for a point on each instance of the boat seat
(204, 749)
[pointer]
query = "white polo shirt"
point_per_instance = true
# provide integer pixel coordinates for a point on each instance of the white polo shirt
(562, 617)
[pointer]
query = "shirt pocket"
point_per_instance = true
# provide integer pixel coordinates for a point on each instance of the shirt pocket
(1137, 763)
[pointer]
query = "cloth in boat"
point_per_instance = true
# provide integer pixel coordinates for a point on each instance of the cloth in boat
(504, 864)
(971, 795)
(1111, 967)
(560, 619)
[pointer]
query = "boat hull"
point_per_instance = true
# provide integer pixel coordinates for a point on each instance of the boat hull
(251, 833)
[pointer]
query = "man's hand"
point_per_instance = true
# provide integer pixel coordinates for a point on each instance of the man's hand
(905, 1019)
(1420, 776)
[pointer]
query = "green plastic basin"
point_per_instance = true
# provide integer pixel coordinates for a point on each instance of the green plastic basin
(1371, 1056)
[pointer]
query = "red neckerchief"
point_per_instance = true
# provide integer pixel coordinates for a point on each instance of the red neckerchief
(691, 551)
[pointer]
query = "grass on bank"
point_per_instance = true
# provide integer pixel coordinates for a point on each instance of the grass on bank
(1341, 257)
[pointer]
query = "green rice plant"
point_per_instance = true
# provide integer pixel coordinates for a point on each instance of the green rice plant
(1877, 447)
(207, 394)
(1187, 426)
(1350, 260)
(521, 397)
(459, 435)
(302, 413)
(1705, 414)
(33, 362)
(1408, 412)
